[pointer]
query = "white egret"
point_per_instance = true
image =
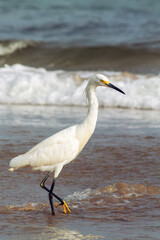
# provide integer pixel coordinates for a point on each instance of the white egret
(61, 148)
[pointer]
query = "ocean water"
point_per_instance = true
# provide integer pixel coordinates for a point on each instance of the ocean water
(48, 50)
(82, 23)
(110, 35)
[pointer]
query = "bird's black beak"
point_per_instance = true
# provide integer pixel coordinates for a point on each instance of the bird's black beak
(114, 87)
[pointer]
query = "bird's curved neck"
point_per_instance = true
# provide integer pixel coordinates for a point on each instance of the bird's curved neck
(86, 128)
(91, 117)
(89, 122)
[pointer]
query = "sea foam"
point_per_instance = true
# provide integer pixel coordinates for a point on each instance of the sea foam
(26, 85)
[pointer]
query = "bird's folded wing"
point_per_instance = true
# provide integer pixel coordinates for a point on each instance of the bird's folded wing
(64, 150)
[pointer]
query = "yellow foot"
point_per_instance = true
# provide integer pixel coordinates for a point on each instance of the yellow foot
(65, 207)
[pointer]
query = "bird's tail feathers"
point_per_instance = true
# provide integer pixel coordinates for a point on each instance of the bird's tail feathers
(18, 162)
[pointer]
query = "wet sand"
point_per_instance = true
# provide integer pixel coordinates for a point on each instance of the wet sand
(112, 188)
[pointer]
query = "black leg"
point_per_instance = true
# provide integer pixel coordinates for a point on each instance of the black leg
(42, 184)
(51, 197)
(52, 186)
(51, 194)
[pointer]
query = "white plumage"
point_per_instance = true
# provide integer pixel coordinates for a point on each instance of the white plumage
(61, 148)
(50, 154)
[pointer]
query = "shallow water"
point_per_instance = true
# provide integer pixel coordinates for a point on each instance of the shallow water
(112, 188)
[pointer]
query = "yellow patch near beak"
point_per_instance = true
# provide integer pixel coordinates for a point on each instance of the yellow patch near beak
(104, 82)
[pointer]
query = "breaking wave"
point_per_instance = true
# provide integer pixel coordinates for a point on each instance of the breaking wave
(11, 46)
(26, 85)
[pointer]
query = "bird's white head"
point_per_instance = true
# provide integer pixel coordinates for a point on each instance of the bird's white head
(102, 80)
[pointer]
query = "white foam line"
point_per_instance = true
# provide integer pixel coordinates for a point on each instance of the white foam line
(26, 85)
